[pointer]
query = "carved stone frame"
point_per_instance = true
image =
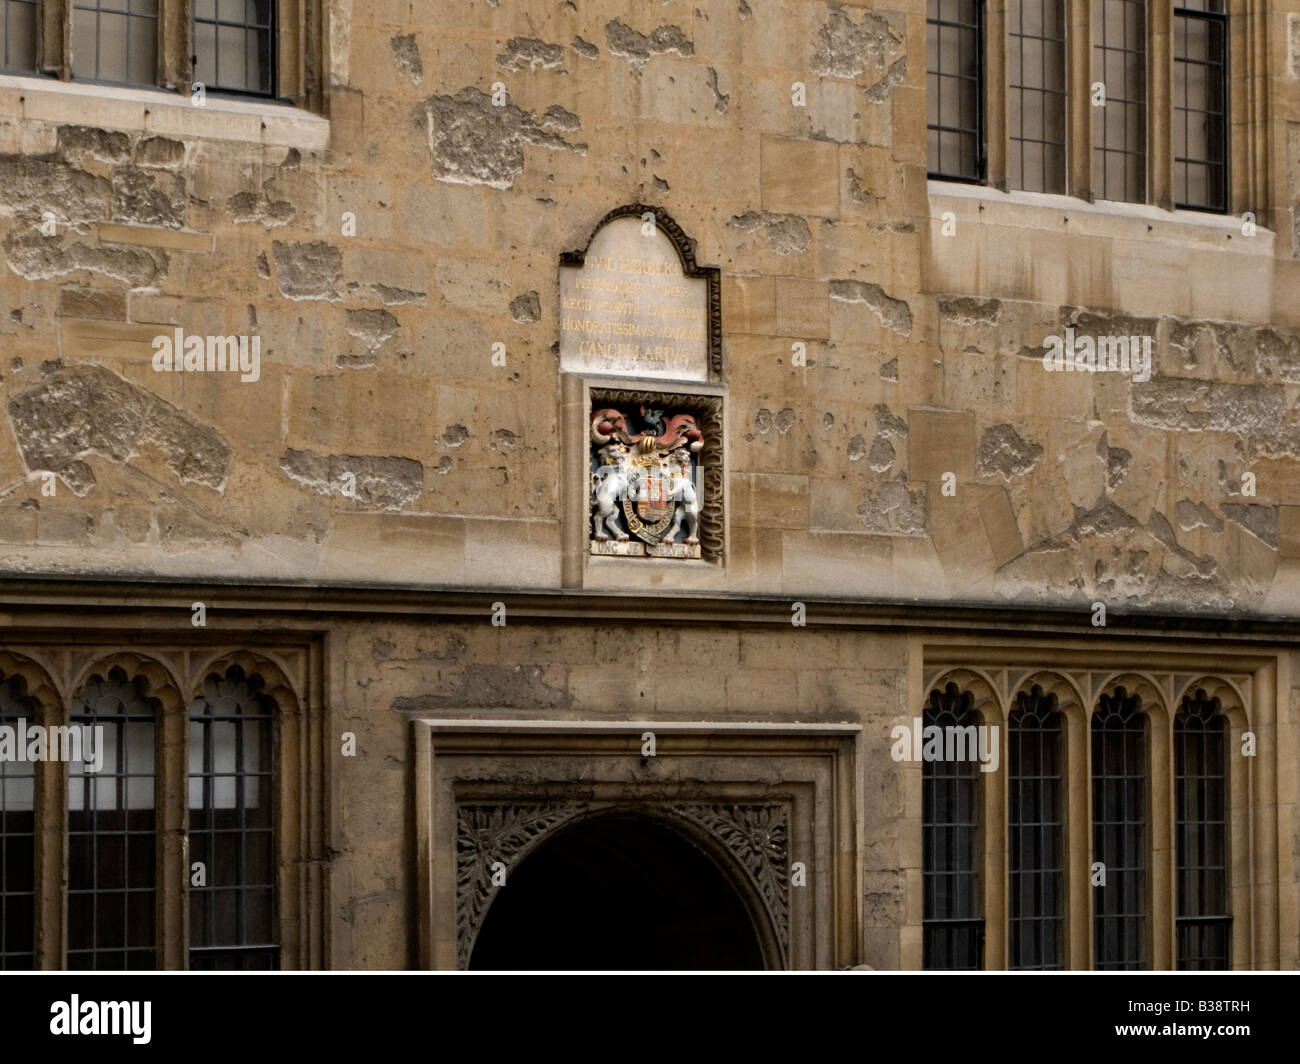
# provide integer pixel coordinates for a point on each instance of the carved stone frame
(708, 413)
(707, 402)
(755, 797)
(686, 252)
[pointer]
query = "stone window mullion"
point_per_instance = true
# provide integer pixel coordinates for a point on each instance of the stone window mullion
(1078, 834)
(173, 861)
(51, 853)
(1160, 104)
(1078, 99)
(54, 47)
(996, 94)
(175, 43)
(1163, 900)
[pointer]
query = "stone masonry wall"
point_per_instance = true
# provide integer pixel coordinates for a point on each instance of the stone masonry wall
(376, 343)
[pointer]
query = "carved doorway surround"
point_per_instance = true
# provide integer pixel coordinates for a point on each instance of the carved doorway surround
(758, 799)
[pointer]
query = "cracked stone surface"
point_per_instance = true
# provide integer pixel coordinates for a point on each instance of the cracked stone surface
(308, 271)
(1197, 515)
(964, 310)
(475, 143)
(160, 151)
(35, 184)
(881, 456)
(893, 313)
(77, 143)
(406, 54)
(846, 48)
(371, 327)
(1002, 452)
(883, 89)
(1259, 521)
(246, 207)
(381, 483)
(785, 233)
(1195, 405)
(392, 296)
(639, 48)
(89, 410)
(526, 308)
(1117, 466)
(858, 192)
(529, 53)
(39, 258)
(720, 98)
(893, 510)
(888, 424)
(149, 197)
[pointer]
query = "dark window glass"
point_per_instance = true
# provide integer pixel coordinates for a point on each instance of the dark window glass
(1201, 834)
(17, 835)
(232, 825)
(1036, 62)
(955, 89)
(115, 41)
(1119, 826)
(1200, 106)
(1119, 62)
(111, 823)
(1035, 832)
(18, 36)
(234, 45)
(951, 858)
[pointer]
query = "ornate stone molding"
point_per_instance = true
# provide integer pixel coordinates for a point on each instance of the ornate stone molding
(1079, 689)
(708, 414)
(755, 834)
(486, 834)
(686, 251)
(758, 836)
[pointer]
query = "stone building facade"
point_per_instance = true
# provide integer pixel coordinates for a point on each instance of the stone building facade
(349, 603)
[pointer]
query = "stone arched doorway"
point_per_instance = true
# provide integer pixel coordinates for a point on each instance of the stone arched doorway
(627, 891)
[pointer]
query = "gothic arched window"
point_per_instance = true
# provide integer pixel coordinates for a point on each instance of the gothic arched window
(1119, 827)
(112, 854)
(954, 924)
(1201, 833)
(232, 813)
(1035, 831)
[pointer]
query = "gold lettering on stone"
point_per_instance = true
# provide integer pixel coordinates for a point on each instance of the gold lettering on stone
(629, 309)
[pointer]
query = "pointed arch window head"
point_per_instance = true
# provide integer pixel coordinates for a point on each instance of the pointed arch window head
(111, 827)
(952, 856)
(232, 824)
(1201, 833)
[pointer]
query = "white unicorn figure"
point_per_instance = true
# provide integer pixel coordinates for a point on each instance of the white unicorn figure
(609, 484)
(682, 491)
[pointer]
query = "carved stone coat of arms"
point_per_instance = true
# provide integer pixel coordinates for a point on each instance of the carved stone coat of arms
(645, 498)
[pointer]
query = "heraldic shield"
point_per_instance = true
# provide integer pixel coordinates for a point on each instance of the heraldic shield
(648, 479)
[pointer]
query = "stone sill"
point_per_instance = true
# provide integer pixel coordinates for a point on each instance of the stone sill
(157, 111)
(1047, 212)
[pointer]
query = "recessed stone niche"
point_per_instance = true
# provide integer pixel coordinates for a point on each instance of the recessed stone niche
(635, 307)
(656, 474)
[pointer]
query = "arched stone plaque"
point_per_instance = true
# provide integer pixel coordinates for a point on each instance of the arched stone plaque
(635, 304)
